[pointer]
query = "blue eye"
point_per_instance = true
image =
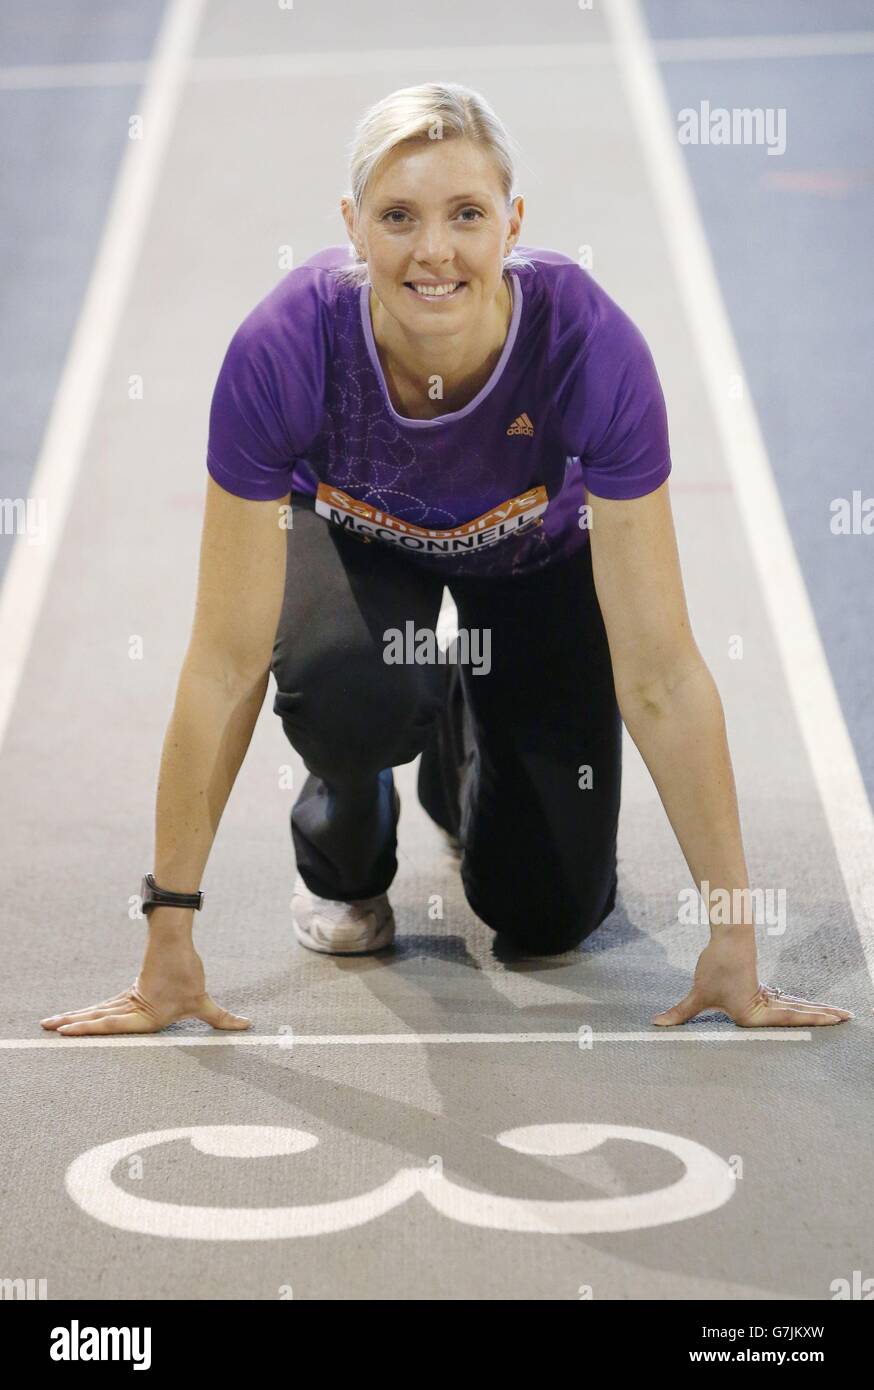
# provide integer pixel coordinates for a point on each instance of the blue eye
(394, 213)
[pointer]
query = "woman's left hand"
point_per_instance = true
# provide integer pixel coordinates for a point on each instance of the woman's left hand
(726, 978)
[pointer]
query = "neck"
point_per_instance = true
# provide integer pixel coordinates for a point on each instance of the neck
(458, 358)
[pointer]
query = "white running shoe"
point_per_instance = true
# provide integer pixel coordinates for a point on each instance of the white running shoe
(340, 928)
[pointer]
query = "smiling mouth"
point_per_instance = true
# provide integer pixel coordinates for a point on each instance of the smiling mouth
(424, 291)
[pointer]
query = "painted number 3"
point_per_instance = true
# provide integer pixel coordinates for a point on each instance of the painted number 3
(707, 1183)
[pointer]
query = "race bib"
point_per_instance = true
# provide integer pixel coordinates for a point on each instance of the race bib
(510, 518)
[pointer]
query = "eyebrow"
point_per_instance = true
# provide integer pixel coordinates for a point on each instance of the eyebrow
(456, 198)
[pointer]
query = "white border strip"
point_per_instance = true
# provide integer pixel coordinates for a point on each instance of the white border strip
(289, 1041)
(317, 63)
(39, 77)
(30, 565)
(808, 678)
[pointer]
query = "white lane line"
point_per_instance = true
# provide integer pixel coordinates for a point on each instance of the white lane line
(835, 44)
(291, 1040)
(321, 63)
(30, 566)
(808, 678)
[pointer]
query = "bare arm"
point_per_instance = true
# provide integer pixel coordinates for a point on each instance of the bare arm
(222, 684)
(672, 710)
(241, 583)
(667, 696)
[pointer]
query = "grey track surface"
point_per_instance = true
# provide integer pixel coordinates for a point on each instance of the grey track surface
(256, 162)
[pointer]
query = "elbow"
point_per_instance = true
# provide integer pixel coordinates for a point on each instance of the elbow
(654, 694)
(234, 678)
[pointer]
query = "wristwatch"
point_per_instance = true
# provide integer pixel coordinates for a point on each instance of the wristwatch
(153, 896)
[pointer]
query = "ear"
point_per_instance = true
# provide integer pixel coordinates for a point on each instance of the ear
(347, 208)
(516, 215)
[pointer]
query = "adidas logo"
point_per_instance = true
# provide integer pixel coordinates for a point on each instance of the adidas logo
(521, 425)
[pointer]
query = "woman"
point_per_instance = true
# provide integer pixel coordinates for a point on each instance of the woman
(450, 410)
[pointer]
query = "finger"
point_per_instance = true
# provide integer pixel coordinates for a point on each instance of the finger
(803, 1006)
(134, 1022)
(795, 1000)
(213, 1013)
(88, 1010)
(83, 1015)
(793, 1016)
(687, 1009)
(115, 999)
(780, 1016)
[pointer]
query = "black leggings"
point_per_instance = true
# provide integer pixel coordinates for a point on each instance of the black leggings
(505, 752)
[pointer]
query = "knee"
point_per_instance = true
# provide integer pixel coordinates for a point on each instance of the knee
(543, 928)
(346, 709)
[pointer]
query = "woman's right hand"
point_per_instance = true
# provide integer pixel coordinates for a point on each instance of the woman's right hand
(170, 986)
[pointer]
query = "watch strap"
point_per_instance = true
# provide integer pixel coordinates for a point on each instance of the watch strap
(153, 896)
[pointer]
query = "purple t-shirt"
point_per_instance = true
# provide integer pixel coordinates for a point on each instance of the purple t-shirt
(496, 488)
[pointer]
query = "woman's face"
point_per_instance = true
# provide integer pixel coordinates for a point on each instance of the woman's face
(434, 215)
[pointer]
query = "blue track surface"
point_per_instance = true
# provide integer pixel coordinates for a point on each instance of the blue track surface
(60, 149)
(791, 239)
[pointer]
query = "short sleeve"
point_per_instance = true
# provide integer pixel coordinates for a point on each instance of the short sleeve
(267, 402)
(611, 403)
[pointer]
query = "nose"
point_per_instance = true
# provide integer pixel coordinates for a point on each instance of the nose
(433, 244)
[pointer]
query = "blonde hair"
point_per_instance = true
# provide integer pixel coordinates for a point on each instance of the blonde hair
(411, 115)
